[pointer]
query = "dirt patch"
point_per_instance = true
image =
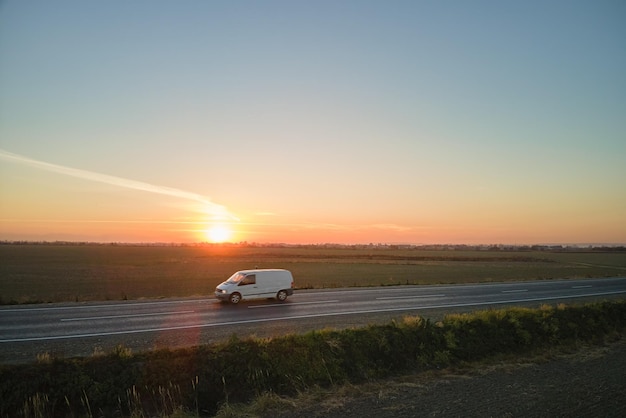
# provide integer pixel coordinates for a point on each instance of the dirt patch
(589, 382)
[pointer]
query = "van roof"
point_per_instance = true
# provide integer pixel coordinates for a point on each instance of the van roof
(259, 270)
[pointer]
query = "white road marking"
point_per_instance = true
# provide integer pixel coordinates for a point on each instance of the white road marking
(410, 297)
(286, 318)
(124, 316)
(581, 287)
(515, 291)
(114, 306)
(292, 304)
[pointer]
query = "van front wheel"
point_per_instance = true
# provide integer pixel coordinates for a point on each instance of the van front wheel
(281, 296)
(235, 298)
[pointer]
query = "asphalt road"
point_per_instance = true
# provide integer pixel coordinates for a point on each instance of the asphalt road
(67, 330)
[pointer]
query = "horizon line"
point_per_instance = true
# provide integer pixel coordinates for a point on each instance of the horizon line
(266, 243)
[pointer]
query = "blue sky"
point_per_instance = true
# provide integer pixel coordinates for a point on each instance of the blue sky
(331, 121)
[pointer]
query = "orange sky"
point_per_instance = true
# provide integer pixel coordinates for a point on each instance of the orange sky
(313, 122)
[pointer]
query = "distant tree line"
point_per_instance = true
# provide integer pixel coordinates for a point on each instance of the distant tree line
(371, 246)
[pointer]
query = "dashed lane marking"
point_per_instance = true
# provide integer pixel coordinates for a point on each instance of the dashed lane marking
(90, 318)
(274, 305)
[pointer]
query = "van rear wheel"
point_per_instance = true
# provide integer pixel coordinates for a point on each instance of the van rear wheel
(235, 298)
(281, 296)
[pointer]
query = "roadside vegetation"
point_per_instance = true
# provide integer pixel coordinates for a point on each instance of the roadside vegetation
(211, 379)
(43, 273)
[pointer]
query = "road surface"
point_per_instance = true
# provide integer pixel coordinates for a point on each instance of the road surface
(73, 329)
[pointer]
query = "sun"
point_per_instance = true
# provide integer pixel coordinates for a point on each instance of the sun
(218, 233)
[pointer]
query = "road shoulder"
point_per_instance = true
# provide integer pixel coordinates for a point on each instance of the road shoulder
(588, 381)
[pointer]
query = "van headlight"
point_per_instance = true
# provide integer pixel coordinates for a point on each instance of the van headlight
(220, 291)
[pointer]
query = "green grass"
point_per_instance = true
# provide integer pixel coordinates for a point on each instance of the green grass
(55, 273)
(199, 381)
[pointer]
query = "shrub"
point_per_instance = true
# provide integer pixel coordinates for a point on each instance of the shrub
(202, 378)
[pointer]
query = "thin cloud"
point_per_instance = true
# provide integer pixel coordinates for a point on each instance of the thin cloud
(213, 208)
(342, 227)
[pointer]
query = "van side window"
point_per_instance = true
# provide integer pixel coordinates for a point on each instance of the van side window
(249, 279)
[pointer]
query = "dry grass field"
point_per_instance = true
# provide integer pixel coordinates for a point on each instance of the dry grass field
(56, 273)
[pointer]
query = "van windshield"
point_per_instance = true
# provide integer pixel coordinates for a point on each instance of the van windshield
(235, 278)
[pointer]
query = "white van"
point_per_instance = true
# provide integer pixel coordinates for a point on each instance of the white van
(256, 284)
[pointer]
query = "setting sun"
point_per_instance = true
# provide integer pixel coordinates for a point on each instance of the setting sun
(218, 233)
(376, 146)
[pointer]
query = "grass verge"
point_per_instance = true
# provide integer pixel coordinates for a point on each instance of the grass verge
(203, 380)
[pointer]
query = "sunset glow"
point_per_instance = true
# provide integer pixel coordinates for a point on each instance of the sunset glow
(313, 122)
(219, 233)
